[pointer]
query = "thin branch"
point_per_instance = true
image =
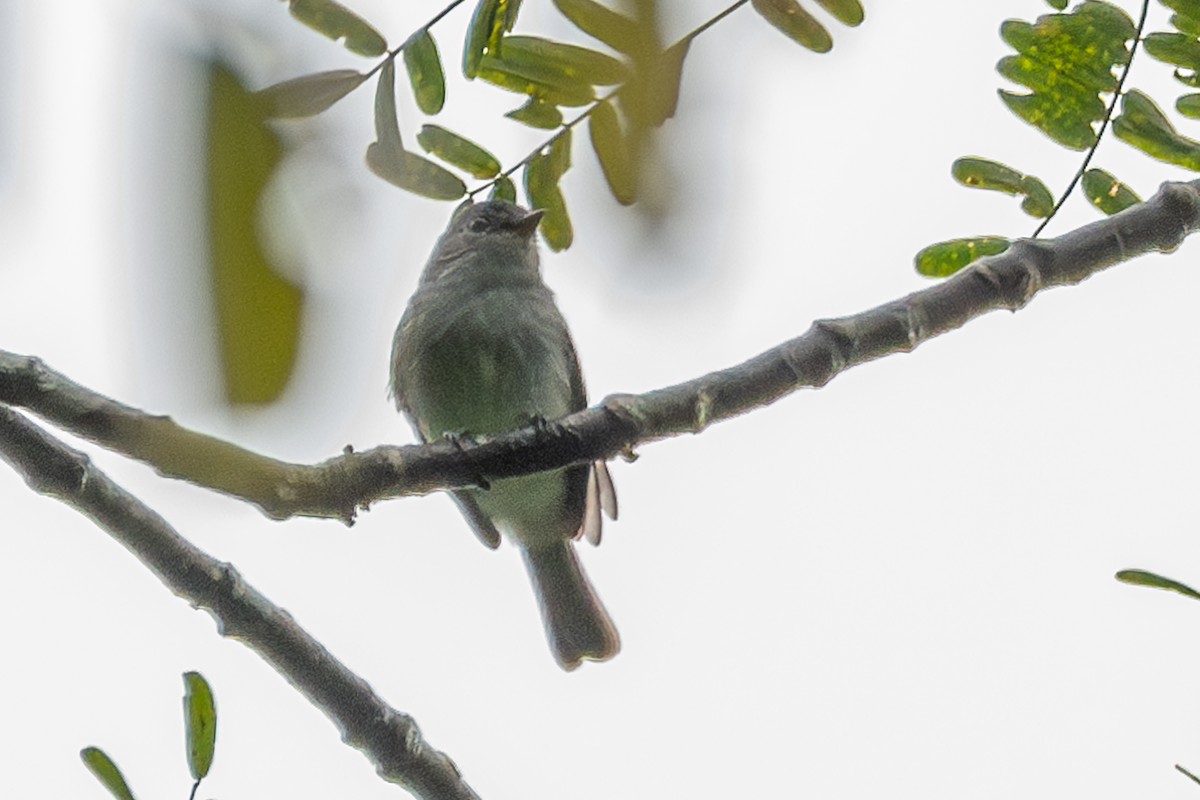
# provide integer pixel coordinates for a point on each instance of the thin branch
(389, 738)
(722, 15)
(1112, 106)
(562, 131)
(397, 50)
(335, 488)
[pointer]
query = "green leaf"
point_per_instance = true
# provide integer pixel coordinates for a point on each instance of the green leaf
(1139, 577)
(541, 187)
(1174, 48)
(309, 95)
(980, 173)
(1038, 201)
(388, 159)
(1143, 125)
(503, 189)
(462, 153)
(424, 67)
(536, 77)
(479, 30)
(510, 14)
(795, 23)
(1059, 4)
(106, 772)
(664, 97)
(387, 125)
(559, 155)
(600, 22)
(1107, 193)
(651, 97)
(1191, 79)
(1189, 7)
(200, 718)
(613, 152)
(537, 113)
(943, 259)
(492, 18)
(847, 12)
(258, 310)
(1186, 23)
(1067, 60)
(338, 22)
(414, 173)
(1185, 772)
(572, 63)
(1070, 126)
(1189, 105)
(535, 83)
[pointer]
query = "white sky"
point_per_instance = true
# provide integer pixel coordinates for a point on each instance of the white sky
(899, 585)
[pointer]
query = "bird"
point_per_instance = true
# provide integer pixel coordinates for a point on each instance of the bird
(482, 349)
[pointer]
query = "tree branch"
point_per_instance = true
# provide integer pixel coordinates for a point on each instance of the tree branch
(337, 487)
(388, 737)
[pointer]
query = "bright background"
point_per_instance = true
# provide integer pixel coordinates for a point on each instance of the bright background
(897, 586)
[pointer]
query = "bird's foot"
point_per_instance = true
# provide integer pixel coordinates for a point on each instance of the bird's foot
(462, 440)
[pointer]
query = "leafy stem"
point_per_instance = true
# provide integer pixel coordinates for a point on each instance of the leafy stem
(567, 126)
(562, 131)
(1108, 115)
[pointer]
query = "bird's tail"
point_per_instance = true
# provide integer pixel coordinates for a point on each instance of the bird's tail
(576, 623)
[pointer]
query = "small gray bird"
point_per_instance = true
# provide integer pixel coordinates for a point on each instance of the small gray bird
(482, 349)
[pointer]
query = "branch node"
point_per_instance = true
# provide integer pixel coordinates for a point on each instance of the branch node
(840, 337)
(1182, 204)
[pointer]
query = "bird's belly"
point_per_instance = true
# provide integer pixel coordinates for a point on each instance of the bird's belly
(530, 508)
(490, 374)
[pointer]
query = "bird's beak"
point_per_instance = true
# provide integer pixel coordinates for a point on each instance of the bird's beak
(529, 223)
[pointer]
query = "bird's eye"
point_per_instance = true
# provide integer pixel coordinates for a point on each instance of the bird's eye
(478, 225)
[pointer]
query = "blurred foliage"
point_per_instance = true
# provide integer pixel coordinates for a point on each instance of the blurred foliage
(308, 95)
(258, 310)
(640, 80)
(541, 187)
(200, 728)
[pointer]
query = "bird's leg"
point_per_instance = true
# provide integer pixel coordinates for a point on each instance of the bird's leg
(461, 440)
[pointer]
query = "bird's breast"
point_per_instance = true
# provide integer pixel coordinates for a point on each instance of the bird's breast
(490, 364)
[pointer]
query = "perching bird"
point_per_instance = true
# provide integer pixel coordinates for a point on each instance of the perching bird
(482, 349)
